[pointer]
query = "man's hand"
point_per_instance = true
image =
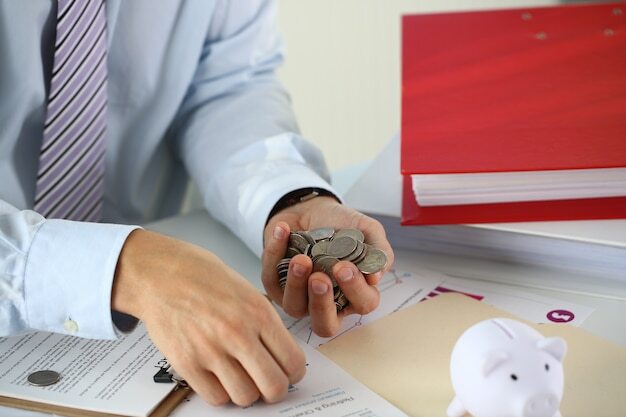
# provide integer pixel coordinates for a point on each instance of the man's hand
(215, 328)
(307, 293)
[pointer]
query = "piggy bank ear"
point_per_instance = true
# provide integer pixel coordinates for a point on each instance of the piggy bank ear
(493, 360)
(554, 346)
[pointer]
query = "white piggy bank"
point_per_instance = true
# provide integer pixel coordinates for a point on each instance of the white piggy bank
(504, 368)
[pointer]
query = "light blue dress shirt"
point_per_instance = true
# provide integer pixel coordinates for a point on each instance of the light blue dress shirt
(191, 90)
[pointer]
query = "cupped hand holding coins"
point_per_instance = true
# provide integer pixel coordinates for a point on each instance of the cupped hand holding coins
(326, 247)
(330, 258)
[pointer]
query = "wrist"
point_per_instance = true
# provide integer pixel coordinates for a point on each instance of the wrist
(299, 196)
(132, 267)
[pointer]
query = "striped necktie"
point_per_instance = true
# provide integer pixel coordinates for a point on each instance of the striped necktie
(70, 180)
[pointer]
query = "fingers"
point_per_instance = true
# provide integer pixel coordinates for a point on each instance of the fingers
(283, 350)
(364, 298)
(275, 248)
(240, 387)
(295, 299)
(206, 385)
(375, 236)
(267, 375)
(324, 320)
(250, 368)
(255, 375)
(374, 279)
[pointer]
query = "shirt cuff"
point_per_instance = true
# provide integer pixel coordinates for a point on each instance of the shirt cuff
(258, 196)
(245, 188)
(69, 276)
(275, 188)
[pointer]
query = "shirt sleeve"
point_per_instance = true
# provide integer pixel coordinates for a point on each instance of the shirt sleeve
(57, 275)
(236, 131)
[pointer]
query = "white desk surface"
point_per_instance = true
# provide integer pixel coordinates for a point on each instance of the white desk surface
(608, 320)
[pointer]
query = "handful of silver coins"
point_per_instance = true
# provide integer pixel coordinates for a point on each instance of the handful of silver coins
(327, 246)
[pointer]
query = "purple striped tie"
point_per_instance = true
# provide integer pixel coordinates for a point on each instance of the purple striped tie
(70, 180)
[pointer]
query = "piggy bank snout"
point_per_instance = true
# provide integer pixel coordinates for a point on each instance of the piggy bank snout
(541, 405)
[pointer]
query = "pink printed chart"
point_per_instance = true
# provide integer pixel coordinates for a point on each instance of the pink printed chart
(522, 303)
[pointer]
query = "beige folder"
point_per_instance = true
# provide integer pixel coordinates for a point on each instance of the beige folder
(405, 358)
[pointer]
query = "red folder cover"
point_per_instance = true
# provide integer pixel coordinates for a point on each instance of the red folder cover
(514, 90)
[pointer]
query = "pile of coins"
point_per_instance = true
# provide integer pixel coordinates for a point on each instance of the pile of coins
(326, 247)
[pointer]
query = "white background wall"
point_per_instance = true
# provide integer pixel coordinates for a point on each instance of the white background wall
(343, 68)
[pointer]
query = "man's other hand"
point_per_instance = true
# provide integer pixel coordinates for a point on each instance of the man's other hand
(219, 333)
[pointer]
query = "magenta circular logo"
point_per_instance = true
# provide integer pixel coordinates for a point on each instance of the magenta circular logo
(560, 316)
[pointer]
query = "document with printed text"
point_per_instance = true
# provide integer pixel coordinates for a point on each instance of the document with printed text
(108, 376)
(326, 391)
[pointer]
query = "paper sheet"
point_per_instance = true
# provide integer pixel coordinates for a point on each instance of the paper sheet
(100, 375)
(399, 288)
(406, 285)
(531, 307)
(325, 391)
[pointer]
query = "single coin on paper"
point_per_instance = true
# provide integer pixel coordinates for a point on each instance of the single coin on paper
(43, 378)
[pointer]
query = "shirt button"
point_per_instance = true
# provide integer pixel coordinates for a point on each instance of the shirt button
(70, 326)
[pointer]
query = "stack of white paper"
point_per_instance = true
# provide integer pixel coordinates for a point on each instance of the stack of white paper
(502, 187)
(592, 253)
